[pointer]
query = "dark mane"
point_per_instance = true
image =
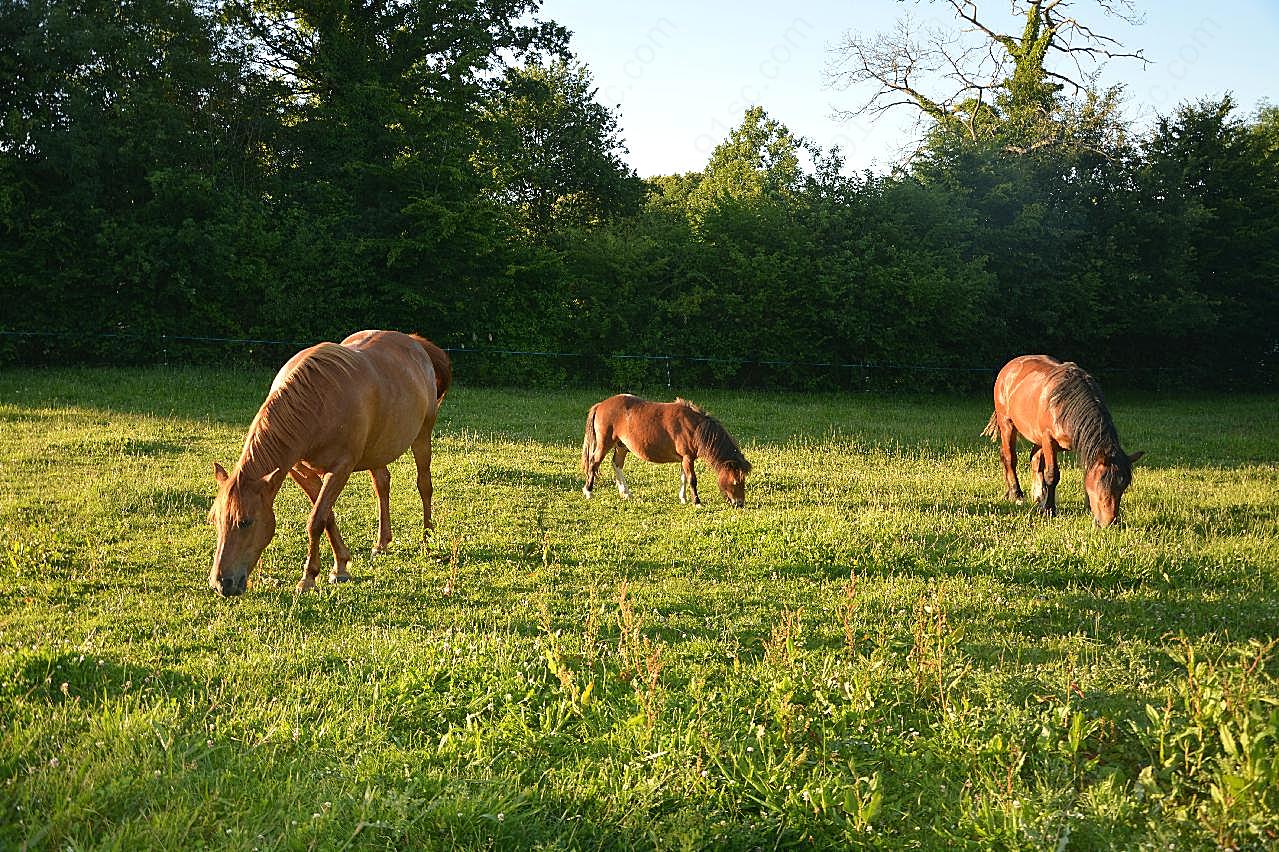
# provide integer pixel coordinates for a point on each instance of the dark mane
(714, 442)
(1082, 410)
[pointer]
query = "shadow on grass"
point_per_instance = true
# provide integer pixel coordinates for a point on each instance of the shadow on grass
(87, 679)
(1150, 615)
(495, 475)
(1216, 520)
(167, 501)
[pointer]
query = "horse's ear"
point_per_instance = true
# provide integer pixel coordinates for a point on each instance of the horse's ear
(1136, 457)
(219, 473)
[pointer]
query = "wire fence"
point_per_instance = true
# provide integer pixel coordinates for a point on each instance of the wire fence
(500, 366)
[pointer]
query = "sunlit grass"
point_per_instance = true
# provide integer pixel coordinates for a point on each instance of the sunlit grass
(877, 650)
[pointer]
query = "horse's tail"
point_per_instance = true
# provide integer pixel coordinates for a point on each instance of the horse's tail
(992, 427)
(588, 440)
(441, 362)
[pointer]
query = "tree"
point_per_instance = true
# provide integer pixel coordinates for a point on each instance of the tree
(552, 152)
(129, 143)
(1206, 232)
(381, 206)
(983, 84)
(760, 159)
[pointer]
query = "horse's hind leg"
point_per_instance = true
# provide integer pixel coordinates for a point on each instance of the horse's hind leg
(382, 487)
(310, 484)
(422, 456)
(594, 457)
(619, 459)
(1008, 455)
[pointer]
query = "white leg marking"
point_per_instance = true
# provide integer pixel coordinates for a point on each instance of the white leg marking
(586, 492)
(621, 483)
(683, 484)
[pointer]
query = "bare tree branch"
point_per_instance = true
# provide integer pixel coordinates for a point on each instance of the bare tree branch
(950, 77)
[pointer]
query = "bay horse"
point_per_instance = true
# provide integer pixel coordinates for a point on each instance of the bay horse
(676, 431)
(333, 409)
(1057, 406)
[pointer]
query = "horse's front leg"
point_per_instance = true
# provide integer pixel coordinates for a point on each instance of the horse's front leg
(689, 475)
(1051, 476)
(422, 456)
(619, 459)
(321, 519)
(310, 484)
(1037, 475)
(382, 488)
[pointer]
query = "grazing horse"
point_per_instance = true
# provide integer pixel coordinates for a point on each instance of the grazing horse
(1057, 406)
(662, 432)
(332, 409)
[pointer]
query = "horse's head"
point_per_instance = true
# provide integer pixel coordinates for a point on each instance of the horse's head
(1105, 481)
(243, 515)
(732, 482)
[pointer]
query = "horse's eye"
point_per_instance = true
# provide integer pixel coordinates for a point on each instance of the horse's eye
(245, 523)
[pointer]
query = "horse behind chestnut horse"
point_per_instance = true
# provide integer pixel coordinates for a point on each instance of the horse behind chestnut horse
(662, 432)
(1057, 406)
(332, 409)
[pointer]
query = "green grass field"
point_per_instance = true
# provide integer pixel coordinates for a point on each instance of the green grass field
(876, 651)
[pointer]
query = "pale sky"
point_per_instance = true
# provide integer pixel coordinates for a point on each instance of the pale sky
(682, 73)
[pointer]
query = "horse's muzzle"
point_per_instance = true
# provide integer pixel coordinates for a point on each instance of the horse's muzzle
(229, 587)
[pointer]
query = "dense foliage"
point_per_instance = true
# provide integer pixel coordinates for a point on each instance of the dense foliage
(298, 170)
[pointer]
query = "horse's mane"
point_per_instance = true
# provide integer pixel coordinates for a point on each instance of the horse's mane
(714, 441)
(292, 405)
(1078, 402)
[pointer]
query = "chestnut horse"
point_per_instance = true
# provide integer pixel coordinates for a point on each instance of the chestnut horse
(332, 409)
(1057, 406)
(676, 431)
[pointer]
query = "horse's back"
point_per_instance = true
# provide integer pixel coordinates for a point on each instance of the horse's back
(377, 392)
(654, 431)
(1023, 391)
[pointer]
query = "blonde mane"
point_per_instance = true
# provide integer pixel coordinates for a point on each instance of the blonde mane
(290, 409)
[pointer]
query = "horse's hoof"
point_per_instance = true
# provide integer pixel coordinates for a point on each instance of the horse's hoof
(625, 495)
(306, 584)
(339, 578)
(586, 493)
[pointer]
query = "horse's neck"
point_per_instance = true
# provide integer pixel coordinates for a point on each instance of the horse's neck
(710, 452)
(266, 448)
